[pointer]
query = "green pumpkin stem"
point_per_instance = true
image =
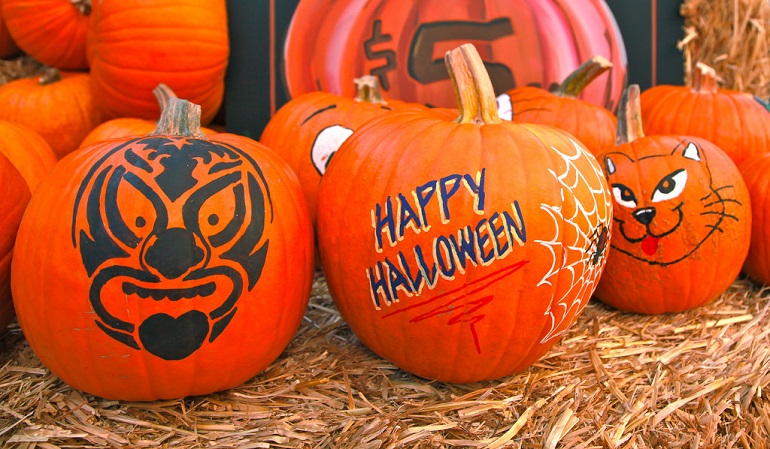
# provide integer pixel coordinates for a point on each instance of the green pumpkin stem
(629, 116)
(368, 89)
(162, 93)
(574, 84)
(180, 118)
(50, 75)
(704, 79)
(473, 87)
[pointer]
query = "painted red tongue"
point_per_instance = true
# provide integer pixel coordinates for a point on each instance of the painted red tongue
(650, 245)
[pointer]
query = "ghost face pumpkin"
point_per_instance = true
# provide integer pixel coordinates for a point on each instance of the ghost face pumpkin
(168, 260)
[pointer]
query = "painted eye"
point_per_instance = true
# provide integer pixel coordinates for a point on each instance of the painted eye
(326, 143)
(670, 187)
(623, 195)
(130, 213)
(504, 107)
(221, 215)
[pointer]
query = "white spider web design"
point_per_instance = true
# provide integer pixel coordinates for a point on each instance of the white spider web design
(580, 240)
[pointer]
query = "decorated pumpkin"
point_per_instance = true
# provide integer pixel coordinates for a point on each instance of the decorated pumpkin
(174, 264)
(462, 250)
(27, 151)
(521, 42)
(592, 124)
(51, 31)
(736, 122)
(755, 171)
(682, 219)
(134, 45)
(13, 201)
(57, 105)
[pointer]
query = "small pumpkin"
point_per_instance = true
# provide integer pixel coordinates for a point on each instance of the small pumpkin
(592, 124)
(134, 45)
(182, 264)
(732, 120)
(51, 31)
(682, 219)
(462, 250)
(755, 171)
(13, 201)
(58, 105)
(27, 151)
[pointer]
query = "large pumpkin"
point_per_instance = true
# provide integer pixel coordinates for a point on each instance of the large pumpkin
(13, 202)
(51, 31)
(172, 264)
(461, 251)
(682, 219)
(756, 173)
(134, 45)
(522, 42)
(734, 121)
(27, 151)
(7, 46)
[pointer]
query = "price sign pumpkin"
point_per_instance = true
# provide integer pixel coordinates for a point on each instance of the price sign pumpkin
(532, 42)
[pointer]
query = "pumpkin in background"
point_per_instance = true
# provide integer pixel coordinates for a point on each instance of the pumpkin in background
(593, 125)
(51, 31)
(8, 47)
(13, 202)
(462, 251)
(176, 264)
(131, 126)
(528, 42)
(682, 219)
(134, 45)
(308, 130)
(755, 171)
(732, 120)
(27, 151)
(57, 105)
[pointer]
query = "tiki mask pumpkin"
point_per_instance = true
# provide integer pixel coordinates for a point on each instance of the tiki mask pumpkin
(681, 219)
(183, 264)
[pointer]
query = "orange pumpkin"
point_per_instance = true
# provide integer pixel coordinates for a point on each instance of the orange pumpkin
(732, 120)
(134, 45)
(593, 125)
(7, 46)
(51, 31)
(182, 263)
(57, 105)
(27, 151)
(682, 219)
(462, 251)
(13, 201)
(755, 171)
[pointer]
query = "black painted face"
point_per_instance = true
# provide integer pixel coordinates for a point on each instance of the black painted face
(171, 234)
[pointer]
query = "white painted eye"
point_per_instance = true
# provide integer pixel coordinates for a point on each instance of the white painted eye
(327, 142)
(504, 107)
(670, 187)
(624, 196)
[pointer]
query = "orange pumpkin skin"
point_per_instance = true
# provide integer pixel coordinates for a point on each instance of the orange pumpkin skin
(51, 31)
(755, 173)
(27, 151)
(7, 46)
(740, 128)
(57, 105)
(682, 224)
(461, 251)
(183, 265)
(13, 201)
(122, 128)
(133, 45)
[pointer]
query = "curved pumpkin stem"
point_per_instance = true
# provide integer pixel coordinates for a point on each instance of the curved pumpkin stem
(180, 118)
(704, 79)
(50, 75)
(163, 93)
(629, 116)
(574, 84)
(473, 88)
(368, 89)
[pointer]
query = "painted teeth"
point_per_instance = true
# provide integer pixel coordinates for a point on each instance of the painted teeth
(172, 294)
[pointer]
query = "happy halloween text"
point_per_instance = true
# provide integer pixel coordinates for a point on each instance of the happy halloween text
(488, 239)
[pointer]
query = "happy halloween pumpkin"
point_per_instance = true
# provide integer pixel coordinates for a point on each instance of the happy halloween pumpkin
(174, 264)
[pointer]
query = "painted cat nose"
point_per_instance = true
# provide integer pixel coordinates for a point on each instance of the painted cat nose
(174, 252)
(645, 216)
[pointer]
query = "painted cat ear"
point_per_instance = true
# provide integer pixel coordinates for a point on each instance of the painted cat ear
(691, 152)
(609, 166)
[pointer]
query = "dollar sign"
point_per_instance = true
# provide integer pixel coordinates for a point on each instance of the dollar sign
(390, 56)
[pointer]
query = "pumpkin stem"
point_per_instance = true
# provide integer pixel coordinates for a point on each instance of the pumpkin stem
(629, 116)
(83, 6)
(180, 118)
(704, 79)
(50, 75)
(473, 88)
(574, 84)
(368, 89)
(162, 93)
